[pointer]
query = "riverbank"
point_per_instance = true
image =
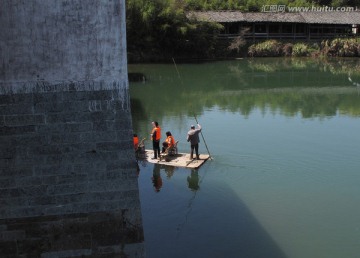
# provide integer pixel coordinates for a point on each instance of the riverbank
(338, 47)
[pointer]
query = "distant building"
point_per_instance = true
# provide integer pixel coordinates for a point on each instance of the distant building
(313, 25)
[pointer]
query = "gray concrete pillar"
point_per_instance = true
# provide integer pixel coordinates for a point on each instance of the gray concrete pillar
(66, 155)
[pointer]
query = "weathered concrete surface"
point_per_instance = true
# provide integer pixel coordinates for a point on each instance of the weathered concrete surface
(65, 124)
(62, 40)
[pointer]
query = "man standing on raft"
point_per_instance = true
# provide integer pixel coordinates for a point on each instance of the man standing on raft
(155, 138)
(193, 138)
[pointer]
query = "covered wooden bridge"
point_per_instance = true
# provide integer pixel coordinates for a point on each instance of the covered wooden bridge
(283, 25)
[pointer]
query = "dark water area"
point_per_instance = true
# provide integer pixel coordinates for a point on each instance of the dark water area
(284, 137)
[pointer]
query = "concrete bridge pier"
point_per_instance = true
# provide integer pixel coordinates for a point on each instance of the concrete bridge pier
(68, 176)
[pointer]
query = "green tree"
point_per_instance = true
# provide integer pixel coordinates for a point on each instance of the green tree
(159, 29)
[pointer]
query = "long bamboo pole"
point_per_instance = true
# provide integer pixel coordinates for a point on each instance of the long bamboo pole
(202, 136)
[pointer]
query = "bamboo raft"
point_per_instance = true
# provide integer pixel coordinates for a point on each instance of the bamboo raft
(177, 160)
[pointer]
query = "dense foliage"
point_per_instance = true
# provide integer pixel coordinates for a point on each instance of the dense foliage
(158, 30)
(344, 47)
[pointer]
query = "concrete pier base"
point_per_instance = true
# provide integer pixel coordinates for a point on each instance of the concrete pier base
(68, 184)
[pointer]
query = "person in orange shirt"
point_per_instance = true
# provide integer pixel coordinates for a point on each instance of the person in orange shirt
(169, 141)
(136, 141)
(155, 137)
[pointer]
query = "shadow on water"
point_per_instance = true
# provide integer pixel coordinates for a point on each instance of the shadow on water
(189, 216)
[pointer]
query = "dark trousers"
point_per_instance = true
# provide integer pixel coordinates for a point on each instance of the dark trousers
(196, 147)
(156, 148)
(165, 145)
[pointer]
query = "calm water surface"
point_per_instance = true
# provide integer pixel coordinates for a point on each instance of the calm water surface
(284, 180)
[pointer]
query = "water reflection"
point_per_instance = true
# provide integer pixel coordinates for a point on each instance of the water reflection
(169, 171)
(156, 178)
(193, 180)
(309, 87)
(355, 82)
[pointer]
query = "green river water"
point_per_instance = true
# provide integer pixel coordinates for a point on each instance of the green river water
(284, 181)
